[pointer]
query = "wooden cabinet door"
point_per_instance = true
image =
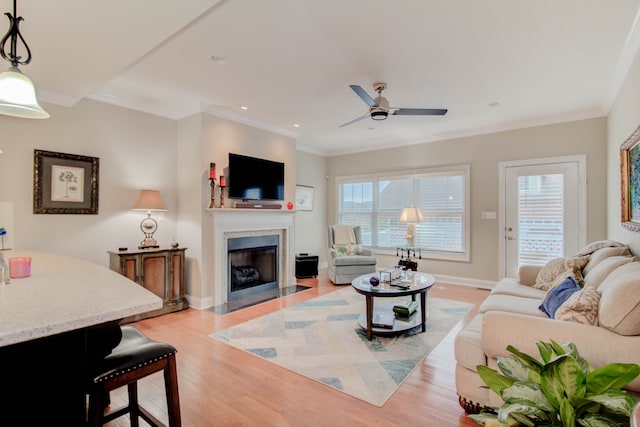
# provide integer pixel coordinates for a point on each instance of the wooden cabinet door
(155, 273)
(130, 269)
(177, 276)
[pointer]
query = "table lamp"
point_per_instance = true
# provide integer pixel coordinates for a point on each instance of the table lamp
(149, 200)
(411, 215)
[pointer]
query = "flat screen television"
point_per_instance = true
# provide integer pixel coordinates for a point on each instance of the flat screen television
(251, 178)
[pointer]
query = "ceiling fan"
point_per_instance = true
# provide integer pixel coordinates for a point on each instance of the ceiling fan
(379, 107)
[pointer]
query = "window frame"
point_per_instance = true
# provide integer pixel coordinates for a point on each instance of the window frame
(463, 170)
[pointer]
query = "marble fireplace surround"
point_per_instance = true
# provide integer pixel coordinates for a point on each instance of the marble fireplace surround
(234, 222)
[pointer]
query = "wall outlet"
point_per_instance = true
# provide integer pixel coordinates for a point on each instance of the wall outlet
(488, 215)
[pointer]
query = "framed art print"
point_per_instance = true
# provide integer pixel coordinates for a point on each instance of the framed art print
(630, 182)
(64, 183)
(304, 198)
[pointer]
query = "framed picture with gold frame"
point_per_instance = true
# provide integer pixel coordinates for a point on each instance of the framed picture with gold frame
(630, 181)
(64, 183)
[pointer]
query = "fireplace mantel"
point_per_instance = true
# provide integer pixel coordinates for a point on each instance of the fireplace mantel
(231, 222)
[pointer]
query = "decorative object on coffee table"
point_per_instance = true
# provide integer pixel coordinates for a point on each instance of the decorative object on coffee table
(407, 262)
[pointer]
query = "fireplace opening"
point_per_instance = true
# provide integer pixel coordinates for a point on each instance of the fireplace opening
(253, 265)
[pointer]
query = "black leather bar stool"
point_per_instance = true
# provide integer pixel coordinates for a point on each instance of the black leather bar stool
(135, 357)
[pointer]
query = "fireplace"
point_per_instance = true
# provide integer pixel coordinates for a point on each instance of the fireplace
(226, 226)
(253, 265)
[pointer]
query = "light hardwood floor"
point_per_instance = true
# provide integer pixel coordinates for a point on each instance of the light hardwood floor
(223, 386)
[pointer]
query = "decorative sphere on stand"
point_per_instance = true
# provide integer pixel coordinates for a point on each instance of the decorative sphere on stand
(374, 281)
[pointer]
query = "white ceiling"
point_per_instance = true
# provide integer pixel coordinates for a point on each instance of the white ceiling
(291, 61)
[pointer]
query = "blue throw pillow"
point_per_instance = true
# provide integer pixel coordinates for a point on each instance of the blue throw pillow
(558, 295)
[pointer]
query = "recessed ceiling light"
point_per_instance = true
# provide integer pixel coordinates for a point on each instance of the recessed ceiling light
(295, 125)
(244, 108)
(218, 59)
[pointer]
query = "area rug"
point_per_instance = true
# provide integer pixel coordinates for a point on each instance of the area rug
(321, 339)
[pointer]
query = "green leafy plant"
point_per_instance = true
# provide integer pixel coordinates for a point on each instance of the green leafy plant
(560, 389)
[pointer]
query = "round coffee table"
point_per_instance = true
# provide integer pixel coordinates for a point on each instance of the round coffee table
(419, 283)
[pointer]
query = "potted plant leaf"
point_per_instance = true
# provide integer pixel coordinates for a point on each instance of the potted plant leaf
(560, 389)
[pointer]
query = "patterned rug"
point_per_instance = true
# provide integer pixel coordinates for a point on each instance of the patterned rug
(321, 339)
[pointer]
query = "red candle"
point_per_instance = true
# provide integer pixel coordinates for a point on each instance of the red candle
(212, 171)
(223, 183)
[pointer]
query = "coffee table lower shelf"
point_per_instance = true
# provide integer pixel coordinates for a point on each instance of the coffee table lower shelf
(400, 324)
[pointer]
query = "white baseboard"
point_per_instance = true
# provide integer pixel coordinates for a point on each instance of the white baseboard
(204, 303)
(199, 303)
(465, 281)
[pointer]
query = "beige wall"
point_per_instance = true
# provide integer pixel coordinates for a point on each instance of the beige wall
(623, 119)
(136, 150)
(204, 138)
(483, 153)
(311, 226)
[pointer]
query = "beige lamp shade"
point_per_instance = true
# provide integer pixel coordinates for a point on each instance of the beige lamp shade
(411, 214)
(149, 200)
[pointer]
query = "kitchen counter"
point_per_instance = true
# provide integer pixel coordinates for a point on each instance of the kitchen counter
(64, 294)
(45, 324)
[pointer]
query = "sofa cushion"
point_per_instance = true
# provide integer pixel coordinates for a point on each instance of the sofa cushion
(511, 304)
(350, 249)
(604, 268)
(581, 307)
(601, 254)
(575, 273)
(354, 260)
(467, 345)
(558, 295)
(619, 309)
(509, 286)
(555, 267)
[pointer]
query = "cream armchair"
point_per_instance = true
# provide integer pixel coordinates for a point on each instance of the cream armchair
(347, 258)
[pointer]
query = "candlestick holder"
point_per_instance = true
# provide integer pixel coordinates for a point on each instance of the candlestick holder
(212, 182)
(222, 196)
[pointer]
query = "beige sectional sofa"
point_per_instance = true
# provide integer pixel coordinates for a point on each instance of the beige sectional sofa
(511, 316)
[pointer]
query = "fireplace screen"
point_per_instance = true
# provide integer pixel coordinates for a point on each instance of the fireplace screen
(253, 265)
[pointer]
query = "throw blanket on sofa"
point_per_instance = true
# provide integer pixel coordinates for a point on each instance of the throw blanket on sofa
(343, 235)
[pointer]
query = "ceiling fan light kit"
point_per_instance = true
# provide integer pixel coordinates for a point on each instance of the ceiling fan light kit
(379, 108)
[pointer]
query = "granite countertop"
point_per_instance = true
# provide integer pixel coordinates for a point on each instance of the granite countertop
(63, 294)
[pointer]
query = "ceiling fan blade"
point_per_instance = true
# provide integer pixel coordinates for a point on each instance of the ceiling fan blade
(364, 95)
(419, 112)
(355, 120)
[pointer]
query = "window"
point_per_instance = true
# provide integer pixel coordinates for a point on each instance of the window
(374, 202)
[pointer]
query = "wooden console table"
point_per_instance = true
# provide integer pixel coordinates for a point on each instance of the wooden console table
(161, 271)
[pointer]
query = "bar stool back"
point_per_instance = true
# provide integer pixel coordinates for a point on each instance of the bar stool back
(135, 357)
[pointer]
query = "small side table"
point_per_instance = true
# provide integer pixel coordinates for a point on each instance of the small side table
(306, 266)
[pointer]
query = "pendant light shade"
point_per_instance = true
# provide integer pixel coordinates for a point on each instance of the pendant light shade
(18, 96)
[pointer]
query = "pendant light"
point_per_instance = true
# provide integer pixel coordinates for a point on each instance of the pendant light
(17, 94)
